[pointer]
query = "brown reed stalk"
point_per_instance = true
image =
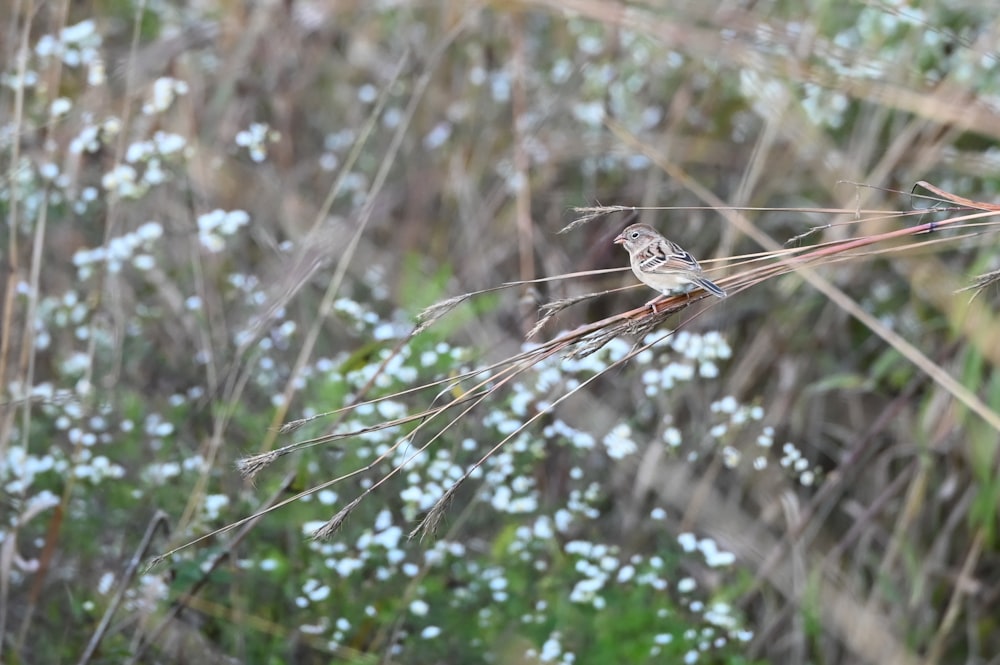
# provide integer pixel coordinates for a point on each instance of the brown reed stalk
(590, 337)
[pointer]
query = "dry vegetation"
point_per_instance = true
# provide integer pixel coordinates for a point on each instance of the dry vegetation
(284, 283)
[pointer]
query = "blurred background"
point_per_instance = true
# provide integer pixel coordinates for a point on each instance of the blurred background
(220, 217)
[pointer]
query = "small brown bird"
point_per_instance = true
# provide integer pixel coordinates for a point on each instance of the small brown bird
(661, 264)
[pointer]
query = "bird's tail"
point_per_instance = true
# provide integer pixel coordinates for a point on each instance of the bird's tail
(710, 286)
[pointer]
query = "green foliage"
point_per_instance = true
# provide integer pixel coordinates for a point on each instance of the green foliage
(174, 236)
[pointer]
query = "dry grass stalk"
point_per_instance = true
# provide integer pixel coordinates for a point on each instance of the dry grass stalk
(587, 339)
(590, 338)
(982, 282)
(249, 467)
(430, 523)
(334, 523)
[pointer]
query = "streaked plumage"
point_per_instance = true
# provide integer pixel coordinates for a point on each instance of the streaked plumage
(661, 264)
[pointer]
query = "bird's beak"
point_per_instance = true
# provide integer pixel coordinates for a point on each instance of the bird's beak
(620, 239)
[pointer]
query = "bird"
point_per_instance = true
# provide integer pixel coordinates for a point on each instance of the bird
(661, 264)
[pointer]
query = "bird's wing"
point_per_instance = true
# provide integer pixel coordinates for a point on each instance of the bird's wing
(665, 256)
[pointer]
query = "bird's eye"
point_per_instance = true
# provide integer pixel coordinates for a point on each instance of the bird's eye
(633, 235)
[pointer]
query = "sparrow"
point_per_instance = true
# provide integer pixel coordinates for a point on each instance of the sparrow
(661, 264)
